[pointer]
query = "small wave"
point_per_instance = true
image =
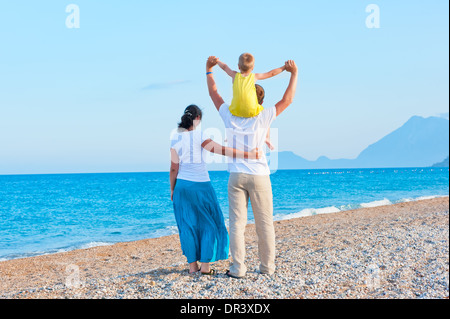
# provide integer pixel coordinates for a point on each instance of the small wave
(426, 197)
(410, 199)
(79, 246)
(25, 255)
(309, 212)
(54, 251)
(377, 203)
(406, 200)
(349, 207)
(166, 231)
(93, 244)
(334, 209)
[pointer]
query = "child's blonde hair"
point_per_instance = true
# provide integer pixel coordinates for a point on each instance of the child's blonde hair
(246, 62)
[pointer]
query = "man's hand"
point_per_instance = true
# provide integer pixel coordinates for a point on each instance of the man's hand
(211, 62)
(291, 66)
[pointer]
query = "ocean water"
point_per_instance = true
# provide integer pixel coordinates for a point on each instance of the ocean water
(42, 214)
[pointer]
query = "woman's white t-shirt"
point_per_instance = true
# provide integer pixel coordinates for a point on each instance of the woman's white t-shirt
(188, 145)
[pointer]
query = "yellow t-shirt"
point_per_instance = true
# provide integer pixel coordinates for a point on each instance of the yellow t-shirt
(245, 102)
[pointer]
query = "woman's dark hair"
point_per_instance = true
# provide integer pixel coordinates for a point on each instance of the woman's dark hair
(190, 114)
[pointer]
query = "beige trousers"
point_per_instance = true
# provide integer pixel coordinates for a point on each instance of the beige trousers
(258, 188)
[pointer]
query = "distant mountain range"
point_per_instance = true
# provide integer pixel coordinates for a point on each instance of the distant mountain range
(444, 163)
(420, 142)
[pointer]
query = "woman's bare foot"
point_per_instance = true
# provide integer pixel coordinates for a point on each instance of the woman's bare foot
(205, 268)
(193, 267)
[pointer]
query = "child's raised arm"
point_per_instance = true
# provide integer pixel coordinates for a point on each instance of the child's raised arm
(227, 69)
(263, 76)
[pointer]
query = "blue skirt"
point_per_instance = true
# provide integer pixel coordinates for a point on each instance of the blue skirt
(201, 227)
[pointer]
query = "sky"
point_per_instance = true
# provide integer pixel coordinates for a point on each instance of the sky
(104, 95)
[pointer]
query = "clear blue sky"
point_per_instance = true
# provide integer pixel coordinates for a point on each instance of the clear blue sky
(105, 97)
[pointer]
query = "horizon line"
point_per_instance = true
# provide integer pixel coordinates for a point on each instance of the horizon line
(281, 169)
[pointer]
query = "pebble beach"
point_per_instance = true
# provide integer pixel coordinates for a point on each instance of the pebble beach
(397, 251)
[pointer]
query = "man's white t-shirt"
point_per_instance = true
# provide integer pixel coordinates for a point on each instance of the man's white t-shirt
(247, 134)
(188, 146)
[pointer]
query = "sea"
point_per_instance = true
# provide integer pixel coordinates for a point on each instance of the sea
(44, 214)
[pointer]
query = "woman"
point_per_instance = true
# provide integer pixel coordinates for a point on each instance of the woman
(203, 235)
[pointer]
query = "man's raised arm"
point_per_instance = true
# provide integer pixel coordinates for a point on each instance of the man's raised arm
(212, 87)
(288, 96)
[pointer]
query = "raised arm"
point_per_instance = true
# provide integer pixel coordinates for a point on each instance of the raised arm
(267, 75)
(227, 69)
(212, 87)
(216, 148)
(288, 96)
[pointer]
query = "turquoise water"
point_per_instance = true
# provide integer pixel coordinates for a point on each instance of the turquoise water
(50, 213)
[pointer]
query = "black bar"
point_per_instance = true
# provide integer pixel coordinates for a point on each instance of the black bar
(223, 308)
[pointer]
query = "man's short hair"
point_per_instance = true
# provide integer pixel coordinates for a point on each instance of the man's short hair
(260, 93)
(246, 62)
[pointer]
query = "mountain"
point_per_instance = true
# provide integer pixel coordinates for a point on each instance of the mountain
(419, 142)
(289, 160)
(444, 163)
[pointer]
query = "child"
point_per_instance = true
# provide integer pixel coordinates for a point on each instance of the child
(245, 102)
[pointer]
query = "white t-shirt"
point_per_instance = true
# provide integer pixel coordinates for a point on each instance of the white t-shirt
(188, 146)
(247, 134)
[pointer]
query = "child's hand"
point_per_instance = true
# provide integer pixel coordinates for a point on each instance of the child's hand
(269, 144)
(291, 66)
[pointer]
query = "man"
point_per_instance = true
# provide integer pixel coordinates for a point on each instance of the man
(250, 179)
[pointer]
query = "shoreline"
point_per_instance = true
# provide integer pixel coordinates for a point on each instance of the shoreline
(373, 252)
(277, 217)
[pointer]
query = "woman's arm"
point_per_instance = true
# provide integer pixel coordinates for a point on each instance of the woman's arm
(216, 148)
(274, 72)
(174, 166)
